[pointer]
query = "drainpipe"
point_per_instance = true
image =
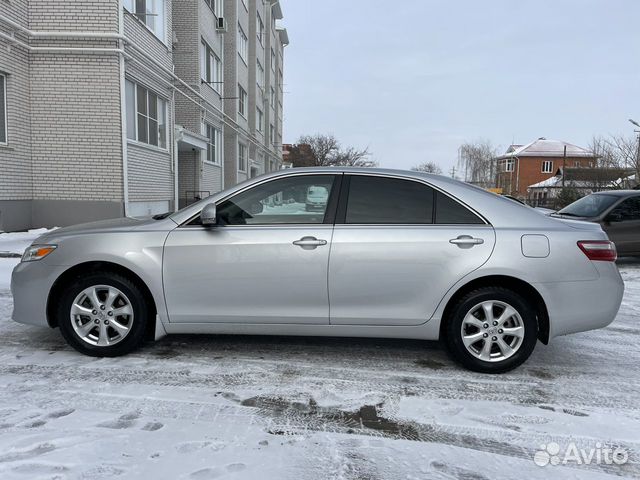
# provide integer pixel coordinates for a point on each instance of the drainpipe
(123, 115)
(517, 175)
(176, 180)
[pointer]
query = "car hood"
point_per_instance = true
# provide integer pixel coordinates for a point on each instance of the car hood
(126, 224)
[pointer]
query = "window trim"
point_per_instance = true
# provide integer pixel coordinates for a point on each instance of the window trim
(550, 162)
(260, 75)
(243, 53)
(509, 165)
(259, 32)
(243, 99)
(133, 13)
(246, 159)
(329, 216)
(213, 4)
(260, 120)
(213, 68)
(137, 140)
(5, 110)
(217, 138)
(344, 199)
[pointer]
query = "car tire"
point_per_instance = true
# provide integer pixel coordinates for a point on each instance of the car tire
(119, 314)
(491, 330)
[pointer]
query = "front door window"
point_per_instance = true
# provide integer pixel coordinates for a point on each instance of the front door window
(292, 200)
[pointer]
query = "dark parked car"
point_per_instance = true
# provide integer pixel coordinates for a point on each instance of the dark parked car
(618, 211)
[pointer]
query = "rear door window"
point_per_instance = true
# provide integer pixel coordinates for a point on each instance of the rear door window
(380, 200)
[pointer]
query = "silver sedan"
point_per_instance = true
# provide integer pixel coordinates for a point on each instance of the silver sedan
(387, 254)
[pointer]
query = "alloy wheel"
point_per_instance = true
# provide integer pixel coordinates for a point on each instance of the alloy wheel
(101, 315)
(492, 331)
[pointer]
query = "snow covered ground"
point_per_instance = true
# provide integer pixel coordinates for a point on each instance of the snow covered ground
(200, 407)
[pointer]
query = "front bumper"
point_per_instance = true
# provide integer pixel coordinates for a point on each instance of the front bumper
(31, 283)
(583, 305)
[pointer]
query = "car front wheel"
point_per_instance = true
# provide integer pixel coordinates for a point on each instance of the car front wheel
(491, 330)
(103, 315)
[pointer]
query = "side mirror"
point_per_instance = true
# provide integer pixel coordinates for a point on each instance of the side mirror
(256, 208)
(208, 216)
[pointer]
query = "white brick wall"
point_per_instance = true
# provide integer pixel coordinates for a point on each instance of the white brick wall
(150, 175)
(15, 158)
(76, 131)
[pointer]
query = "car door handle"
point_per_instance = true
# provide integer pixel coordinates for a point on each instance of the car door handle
(309, 243)
(466, 241)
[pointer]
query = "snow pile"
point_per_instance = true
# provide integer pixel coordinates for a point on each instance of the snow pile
(16, 243)
(12, 246)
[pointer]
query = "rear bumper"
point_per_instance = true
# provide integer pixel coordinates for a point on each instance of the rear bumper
(30, 286)
(586, 305)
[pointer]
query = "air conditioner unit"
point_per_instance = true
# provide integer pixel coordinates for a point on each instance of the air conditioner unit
(221, 24)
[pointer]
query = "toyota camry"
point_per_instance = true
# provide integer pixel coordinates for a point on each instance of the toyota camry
(382, 254)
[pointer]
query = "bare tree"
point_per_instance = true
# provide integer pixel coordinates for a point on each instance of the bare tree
(478, 162)
(325, 151)
(616, 152)
(428, 167)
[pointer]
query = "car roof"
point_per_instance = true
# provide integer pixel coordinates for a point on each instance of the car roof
(618, 193)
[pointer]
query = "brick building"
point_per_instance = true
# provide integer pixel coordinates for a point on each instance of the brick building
(525, 165)
(112, 107)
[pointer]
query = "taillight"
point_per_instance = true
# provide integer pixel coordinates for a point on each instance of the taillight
(602, 250)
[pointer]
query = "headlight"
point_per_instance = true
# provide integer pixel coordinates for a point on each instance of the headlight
(37, 252)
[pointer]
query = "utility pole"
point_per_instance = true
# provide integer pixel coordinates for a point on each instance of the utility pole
(564, 165)
(453, 172)
(636, 124)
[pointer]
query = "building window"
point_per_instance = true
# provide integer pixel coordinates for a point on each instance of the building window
(280, 85)
(547, 166)
(243, 44)
(244, 4)
(273, 60)
(214, 144)
(210, 67)
(260, 29)
(242, 157)
(259, 74)
(149, 12)
(259, 120)
(509, 164)
(146, 116)
(272, 99)
(242, 101)
(272, 134)
(3, 109)
(216, 6)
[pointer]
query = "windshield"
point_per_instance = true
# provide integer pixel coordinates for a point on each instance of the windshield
(589, 206)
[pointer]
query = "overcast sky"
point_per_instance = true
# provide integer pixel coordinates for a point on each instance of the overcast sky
(413, 79)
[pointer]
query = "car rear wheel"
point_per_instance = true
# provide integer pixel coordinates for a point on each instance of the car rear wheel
(491, 330)
(103, 315)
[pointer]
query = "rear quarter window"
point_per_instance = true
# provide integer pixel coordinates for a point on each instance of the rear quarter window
(451, 212)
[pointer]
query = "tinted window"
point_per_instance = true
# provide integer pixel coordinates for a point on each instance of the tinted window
(629, 209)
(291, 200)
(589, 206)
(388, 200)
(448, 211)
